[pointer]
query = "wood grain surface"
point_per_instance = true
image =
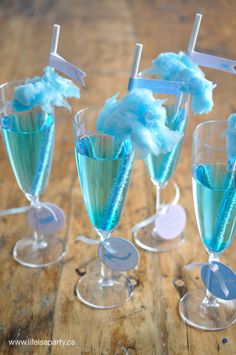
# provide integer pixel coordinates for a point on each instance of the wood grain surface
(99, 36)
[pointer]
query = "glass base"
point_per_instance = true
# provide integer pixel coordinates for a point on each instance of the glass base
(198, 313)
(48, 251)
(98, 293)
(146, 238)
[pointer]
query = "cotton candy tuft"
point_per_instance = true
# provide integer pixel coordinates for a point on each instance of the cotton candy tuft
(46, 92)
(179, 67)
(142, 119)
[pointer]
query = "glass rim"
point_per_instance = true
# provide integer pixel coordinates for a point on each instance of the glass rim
(208, 123)
(34, 109)
(90, 131)
(144, 75)
(12, 82)
(83, 110)
(94, 132)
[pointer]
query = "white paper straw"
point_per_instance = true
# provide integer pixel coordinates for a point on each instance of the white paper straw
(55, 38)
(136, 60)
(191, 46)
(194, 34)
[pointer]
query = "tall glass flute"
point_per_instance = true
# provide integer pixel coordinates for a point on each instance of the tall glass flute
(214, 192)
(29, 139)
(104, 166)
(160, 169)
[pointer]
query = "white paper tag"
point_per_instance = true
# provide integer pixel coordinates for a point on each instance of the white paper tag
(118, 254)
(47, 219)
(220, 280)
(171, 224)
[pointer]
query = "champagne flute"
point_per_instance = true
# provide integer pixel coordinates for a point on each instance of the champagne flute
(29, 139)
(214, 192)
(104, 167)
(161, 169)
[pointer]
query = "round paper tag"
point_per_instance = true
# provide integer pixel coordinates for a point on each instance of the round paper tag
(220, 280)
(47, 219)
(171, 224)
(118, 254)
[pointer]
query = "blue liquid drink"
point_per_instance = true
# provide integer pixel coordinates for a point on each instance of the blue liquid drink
(29, 139)
(104, 169)
(214, 194)
(161, 168)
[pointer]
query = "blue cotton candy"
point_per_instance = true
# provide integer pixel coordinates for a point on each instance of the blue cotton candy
(46, 92)
(231, 138)
(140, 118)
(179, 67)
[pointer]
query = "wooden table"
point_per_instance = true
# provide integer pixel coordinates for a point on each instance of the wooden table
(99, 36)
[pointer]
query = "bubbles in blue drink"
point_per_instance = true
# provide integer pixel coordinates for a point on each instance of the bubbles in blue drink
(29, 139)
(104, 168)
(161, 168)
(215, 205)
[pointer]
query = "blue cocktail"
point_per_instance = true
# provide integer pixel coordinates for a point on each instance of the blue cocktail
(29, 142)
(214, 192)
(100, 156)
(161, 169)
(29, 139)
(211, 186)
(104, 165)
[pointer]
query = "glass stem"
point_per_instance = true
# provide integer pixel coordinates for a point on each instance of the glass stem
(36, 237)
(34, 201)
(211, 300)
(39, 242)
(106, 276)
(158, 196)
(106, 273)
(158, 204)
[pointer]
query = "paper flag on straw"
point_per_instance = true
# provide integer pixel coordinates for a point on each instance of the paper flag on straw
(214, 62)
(59, 63)
(156, 86)
(210, 61)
